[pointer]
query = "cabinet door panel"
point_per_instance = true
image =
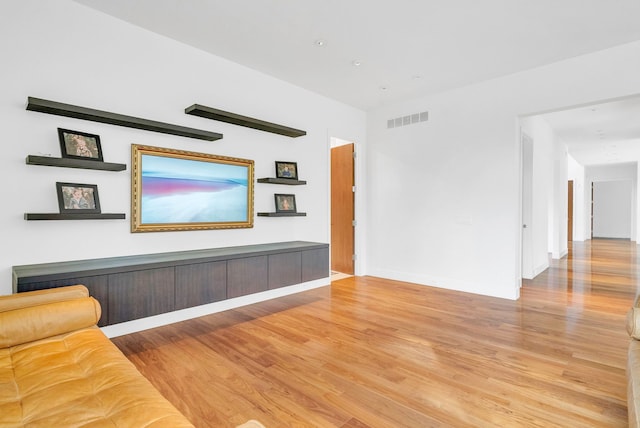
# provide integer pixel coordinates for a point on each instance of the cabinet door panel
(141, 294)
(315, 264)
(247, 275)
(285, 269)
(97, 286)
(199, 284)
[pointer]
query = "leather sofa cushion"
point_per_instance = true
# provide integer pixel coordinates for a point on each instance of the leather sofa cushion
(32, 323)
(75, 380)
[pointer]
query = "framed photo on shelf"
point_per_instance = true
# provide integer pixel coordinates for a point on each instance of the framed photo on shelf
(175, 190)
(285, 203)
(287, 170)
(78, 198)
(80, 145)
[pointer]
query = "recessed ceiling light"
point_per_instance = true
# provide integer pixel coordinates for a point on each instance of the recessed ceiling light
(384, 88)
(320, 43)
(356, 63)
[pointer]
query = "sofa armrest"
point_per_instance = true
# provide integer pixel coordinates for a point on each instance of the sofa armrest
(39, 297)
(633, 323)
(41, 318)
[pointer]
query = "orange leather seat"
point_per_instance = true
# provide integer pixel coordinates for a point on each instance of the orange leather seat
(57, 369)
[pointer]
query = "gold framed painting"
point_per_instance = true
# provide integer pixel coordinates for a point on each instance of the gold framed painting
(173, 190)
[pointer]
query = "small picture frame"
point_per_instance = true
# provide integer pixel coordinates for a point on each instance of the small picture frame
(78, 198)
(288, 170)
(285, 203)
(80, 145)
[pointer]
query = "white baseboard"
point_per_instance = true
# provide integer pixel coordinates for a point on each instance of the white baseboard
(561, 254)
(450, 284)
(537, 271)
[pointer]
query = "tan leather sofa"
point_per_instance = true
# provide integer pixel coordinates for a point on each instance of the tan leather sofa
(633, 366)
(57, 369)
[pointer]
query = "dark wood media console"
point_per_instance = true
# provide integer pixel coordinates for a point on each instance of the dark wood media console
(132, 287)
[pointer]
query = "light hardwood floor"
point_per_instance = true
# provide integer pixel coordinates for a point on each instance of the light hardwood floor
(368, 352)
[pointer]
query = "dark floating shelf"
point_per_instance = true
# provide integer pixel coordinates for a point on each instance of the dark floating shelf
(69, 110)
(74, 163)
(55, 216)
(281, 181)
(282, 214)
(248, 122)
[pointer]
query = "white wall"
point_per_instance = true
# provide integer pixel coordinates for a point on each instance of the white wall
(559, 209)
(627, 172)
(581, 212)
(62, 51)
(443, 195)
(612, 209)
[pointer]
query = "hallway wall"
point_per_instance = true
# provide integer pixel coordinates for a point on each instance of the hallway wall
(444, 195)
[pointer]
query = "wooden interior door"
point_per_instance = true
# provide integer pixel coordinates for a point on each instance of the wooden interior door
(570, 212)
(342, 209)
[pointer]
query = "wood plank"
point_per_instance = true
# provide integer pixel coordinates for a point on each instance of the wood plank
(285, 269)
(200, 283)
(72, 216)
(78, 112)
(315, 264)
(74, 163)
(140, 294)
(71, 269)
(237, 119)
(370, 352)
(247, 276)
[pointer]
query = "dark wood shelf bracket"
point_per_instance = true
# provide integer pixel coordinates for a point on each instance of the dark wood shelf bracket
(282, 214)
(248, 122)
(56, 216)
(69, 110)
(288, 181)
(74, 163)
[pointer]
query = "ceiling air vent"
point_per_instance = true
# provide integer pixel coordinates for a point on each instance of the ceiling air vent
(408, 120)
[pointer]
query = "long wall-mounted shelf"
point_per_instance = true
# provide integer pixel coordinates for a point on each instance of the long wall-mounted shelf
(248, 122)
(74, 163)
(69, 110)
(55, 216)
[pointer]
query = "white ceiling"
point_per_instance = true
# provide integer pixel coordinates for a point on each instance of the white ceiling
(405, 48)
(602, 133)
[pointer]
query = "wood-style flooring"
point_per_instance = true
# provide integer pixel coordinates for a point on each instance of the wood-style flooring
(368, 352)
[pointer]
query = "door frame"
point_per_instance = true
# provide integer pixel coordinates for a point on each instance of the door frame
(359, 200)
(570, 200)
(526, 206)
